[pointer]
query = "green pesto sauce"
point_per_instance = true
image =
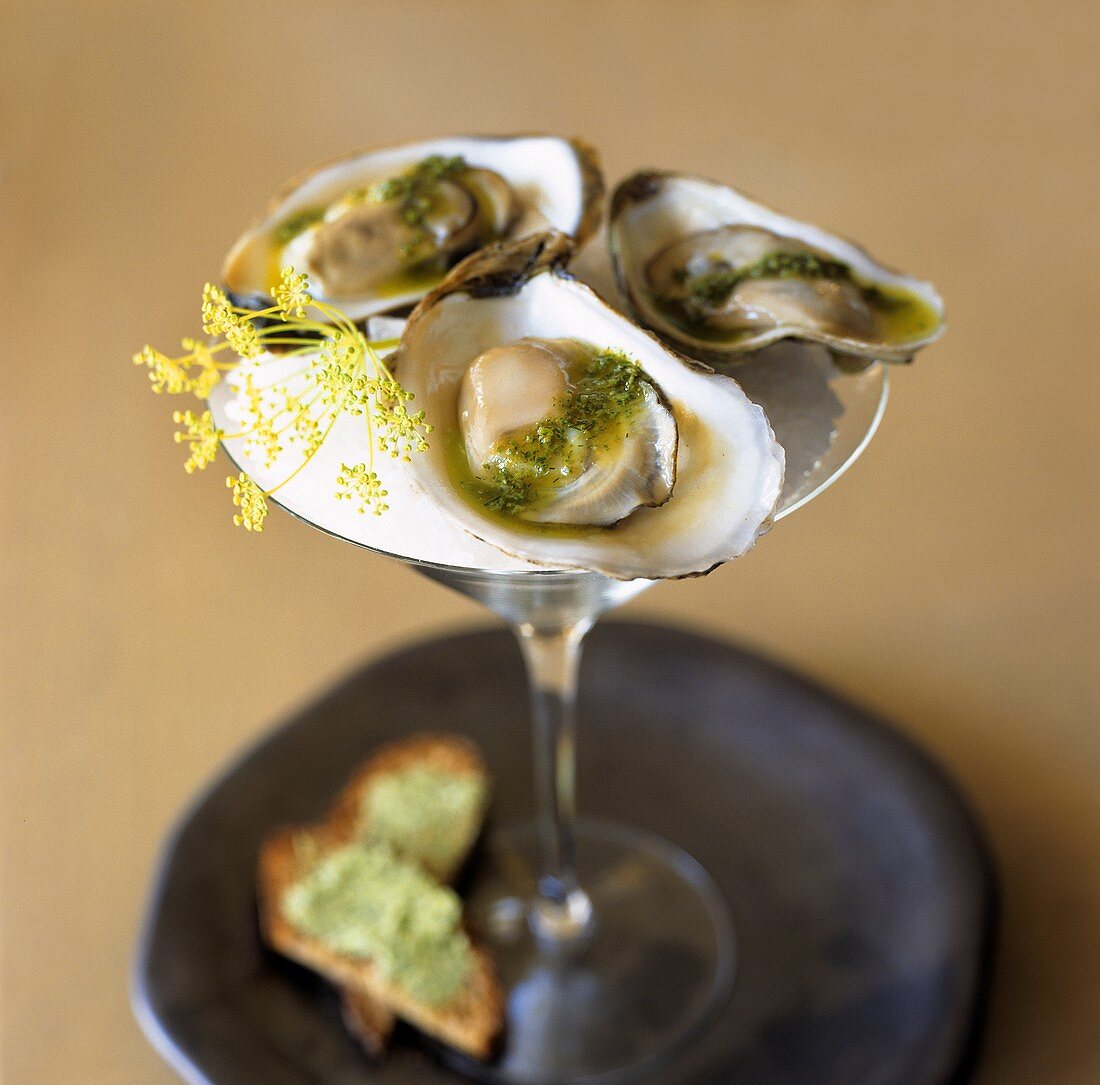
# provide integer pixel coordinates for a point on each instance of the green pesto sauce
(902, 315)
(714, 287)
(412, 190)
(606, 390)
(425, 815)
(477, 494)
(362, 901)
(412, 186)
(299, 222)
(415, 193)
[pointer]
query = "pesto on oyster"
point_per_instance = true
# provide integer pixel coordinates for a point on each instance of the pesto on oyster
(294, 224)
(362, 901)
(376, 230)
(706, 290)
(562, 433)
(895, 313)
(736, 282)
(412, 191)
(605, 395)
(398, 234)
(416, 193)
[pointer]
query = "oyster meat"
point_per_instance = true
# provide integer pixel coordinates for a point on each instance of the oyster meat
(566, 435)
(376, 231)
(552, 432)
(719, 275)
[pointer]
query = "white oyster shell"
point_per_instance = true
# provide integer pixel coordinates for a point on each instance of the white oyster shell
(729, 467)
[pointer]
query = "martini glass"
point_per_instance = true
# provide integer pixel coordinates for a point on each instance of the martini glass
(614, 946)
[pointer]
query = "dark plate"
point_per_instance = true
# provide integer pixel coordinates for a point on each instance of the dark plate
(858, 880)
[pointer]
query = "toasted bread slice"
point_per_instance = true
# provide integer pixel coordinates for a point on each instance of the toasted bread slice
(369, 1002)
(469, 1022)
(370, 1022)
(366, 1019)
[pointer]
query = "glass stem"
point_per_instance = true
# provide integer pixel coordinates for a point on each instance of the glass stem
(563, 913)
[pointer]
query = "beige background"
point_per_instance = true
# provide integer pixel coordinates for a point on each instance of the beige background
(946, 582)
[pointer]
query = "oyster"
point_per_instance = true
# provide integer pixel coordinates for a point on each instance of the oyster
(570, 437)
(376, 231)
(593, 463)
(719, 275)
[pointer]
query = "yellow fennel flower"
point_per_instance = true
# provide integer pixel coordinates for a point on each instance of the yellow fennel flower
(249, 498)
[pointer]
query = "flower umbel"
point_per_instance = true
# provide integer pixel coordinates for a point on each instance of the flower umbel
(206, 374)
(321, 366)
(243, 338)
(249, 498)
(165, 374)
(194, 371)
(292, 294)
(217, 311)
(403, 432)
(202, 438)
(356, 483)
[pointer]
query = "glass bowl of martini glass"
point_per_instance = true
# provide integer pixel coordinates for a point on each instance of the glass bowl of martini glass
(582, 916)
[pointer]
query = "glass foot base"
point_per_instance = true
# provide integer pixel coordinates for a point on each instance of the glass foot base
(655, 961)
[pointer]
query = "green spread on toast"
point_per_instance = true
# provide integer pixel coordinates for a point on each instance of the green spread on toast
(362, 901)
(424, 814)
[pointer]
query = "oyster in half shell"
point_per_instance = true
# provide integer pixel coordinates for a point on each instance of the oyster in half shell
(720, 275)
(567, 435)
(377, 230)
